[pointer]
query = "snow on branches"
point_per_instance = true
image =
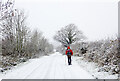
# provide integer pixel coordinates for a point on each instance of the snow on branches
(69, 35)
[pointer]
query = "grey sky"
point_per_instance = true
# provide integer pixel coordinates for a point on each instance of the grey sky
(97, 19)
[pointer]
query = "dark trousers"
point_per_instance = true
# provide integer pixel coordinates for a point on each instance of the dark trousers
(69, 60)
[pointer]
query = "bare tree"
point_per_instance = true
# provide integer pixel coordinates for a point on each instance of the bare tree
(5, 8)
(68, 35)
(14, 32)
(0, 46)
(39, 45)
(7, 34)
(45, 46)
(35, 38)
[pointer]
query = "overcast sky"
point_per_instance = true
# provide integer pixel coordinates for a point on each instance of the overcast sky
(98, 19)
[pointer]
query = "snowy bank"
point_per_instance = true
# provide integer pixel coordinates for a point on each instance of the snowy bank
(93, 69)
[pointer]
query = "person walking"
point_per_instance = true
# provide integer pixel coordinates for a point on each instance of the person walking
(69, 53)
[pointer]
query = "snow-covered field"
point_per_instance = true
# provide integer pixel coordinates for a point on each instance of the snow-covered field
(53, 66)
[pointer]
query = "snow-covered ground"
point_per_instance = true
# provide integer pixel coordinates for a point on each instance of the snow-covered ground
(48, 67)
(93, 69)
(54, 66)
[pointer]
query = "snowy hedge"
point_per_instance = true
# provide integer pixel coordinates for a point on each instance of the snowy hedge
(103, 52)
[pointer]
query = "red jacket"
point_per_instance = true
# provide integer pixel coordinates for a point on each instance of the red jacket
(70, 51)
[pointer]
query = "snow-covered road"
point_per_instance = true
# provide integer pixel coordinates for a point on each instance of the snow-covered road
(53, 66)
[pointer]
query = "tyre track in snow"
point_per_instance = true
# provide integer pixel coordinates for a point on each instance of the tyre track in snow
(50, 71)
(24, 73)
(33, 72)
(59, 72)
(42, 73)
(60, 68)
